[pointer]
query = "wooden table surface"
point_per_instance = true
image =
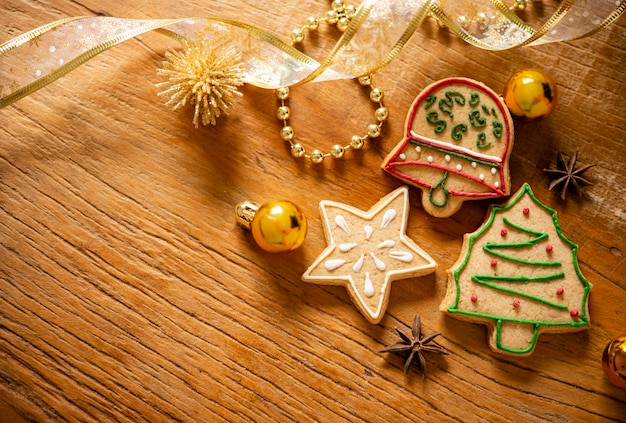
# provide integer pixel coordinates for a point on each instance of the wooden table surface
(128, 293)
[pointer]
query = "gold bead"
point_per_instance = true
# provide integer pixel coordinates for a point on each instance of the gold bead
(365, 80)
(297, 36)
(297, 150)
(282, 93)
(350, 11)
(376, 95)
(373, 131)
(531, 94)
(332, 17)
(463, 22)
(317, 156)
(342, 24)
(283, 113)
(312, 23)
(279, 226)
(286, 133)
(356, 142)
(614, 361)
(337, 151)
(381, 114)
(338, 5)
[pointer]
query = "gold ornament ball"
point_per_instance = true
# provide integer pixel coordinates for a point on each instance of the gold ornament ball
(279, 226)
(614, 361)
(531, 94)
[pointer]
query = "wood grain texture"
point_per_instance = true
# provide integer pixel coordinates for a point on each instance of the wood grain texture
(128, 293)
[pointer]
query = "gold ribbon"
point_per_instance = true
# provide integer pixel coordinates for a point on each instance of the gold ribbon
(376, 34)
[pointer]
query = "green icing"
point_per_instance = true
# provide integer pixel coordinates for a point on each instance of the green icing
(584, 320)
(429, 101)
(485, 109)
(432, 117)
(458, 130)
(441, 185)
(445, 104)
(476, 120)
(452, 153)
(474, 99)
(497, 129)
(480, 140)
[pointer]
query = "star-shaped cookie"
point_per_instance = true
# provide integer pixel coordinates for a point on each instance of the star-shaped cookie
(368, 250)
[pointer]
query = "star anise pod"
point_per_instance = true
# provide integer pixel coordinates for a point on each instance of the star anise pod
(416, 344)
(567, 174)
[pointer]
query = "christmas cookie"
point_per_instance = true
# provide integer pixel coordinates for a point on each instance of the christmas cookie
(519, 275)
(368, 250)
(459, 135)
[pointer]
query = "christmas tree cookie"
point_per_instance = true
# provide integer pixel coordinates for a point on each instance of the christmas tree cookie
(519, 275)
(458, 139)
(367, 251)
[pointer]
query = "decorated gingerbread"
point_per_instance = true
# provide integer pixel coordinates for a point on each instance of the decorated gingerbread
(459, 136)
(368, 250)
(519, 275)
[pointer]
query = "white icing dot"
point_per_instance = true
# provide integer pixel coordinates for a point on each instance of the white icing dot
(430, 159)
(459, 167)
(52, 49)
(61, 61)
(418, 149)
(368, 289)
(388, 243)
(493, 170)
(402, 157)
(474, 165)
(37, 73)
(341, 222)
(447, 157)
(79, 27)
(481, 177)
(359, 264)
(496, 184)
(345, 247)
(380, 265)
(368, 231)
(404, 256)
(333, 264)
(387, 218)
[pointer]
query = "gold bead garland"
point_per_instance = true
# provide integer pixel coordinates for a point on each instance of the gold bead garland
(340, 16)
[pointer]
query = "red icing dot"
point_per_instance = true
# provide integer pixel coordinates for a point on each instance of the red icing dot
(503, 232)
(574, 313)
(560, 291)
(526, 211)
(515, 303)
(494, 262)
(474, 298)
(549, 248)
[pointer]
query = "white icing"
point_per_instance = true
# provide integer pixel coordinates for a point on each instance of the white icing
(368, 289)
(456, 148)
(359, 264)
(380, 265)
(482, 177)
(388, 217)
(404, 256)
(447, 157)
(347, 246)
(388, 243)
(402, 157)
(333, 264)
(459, 167)
(341, 222)
(368, 231)
(474, 165)
(418, 149)
(496, 184)
(430, 159)
(493, 170)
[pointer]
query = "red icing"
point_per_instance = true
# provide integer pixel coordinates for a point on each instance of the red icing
(526, 211)
(503, 232)
(515, 303)
(494, 262)
(549, 248)
(560, 291)
(474, 298)
(574, 313)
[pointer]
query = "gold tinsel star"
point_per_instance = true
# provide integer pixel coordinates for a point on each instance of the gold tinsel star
(204, 74)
